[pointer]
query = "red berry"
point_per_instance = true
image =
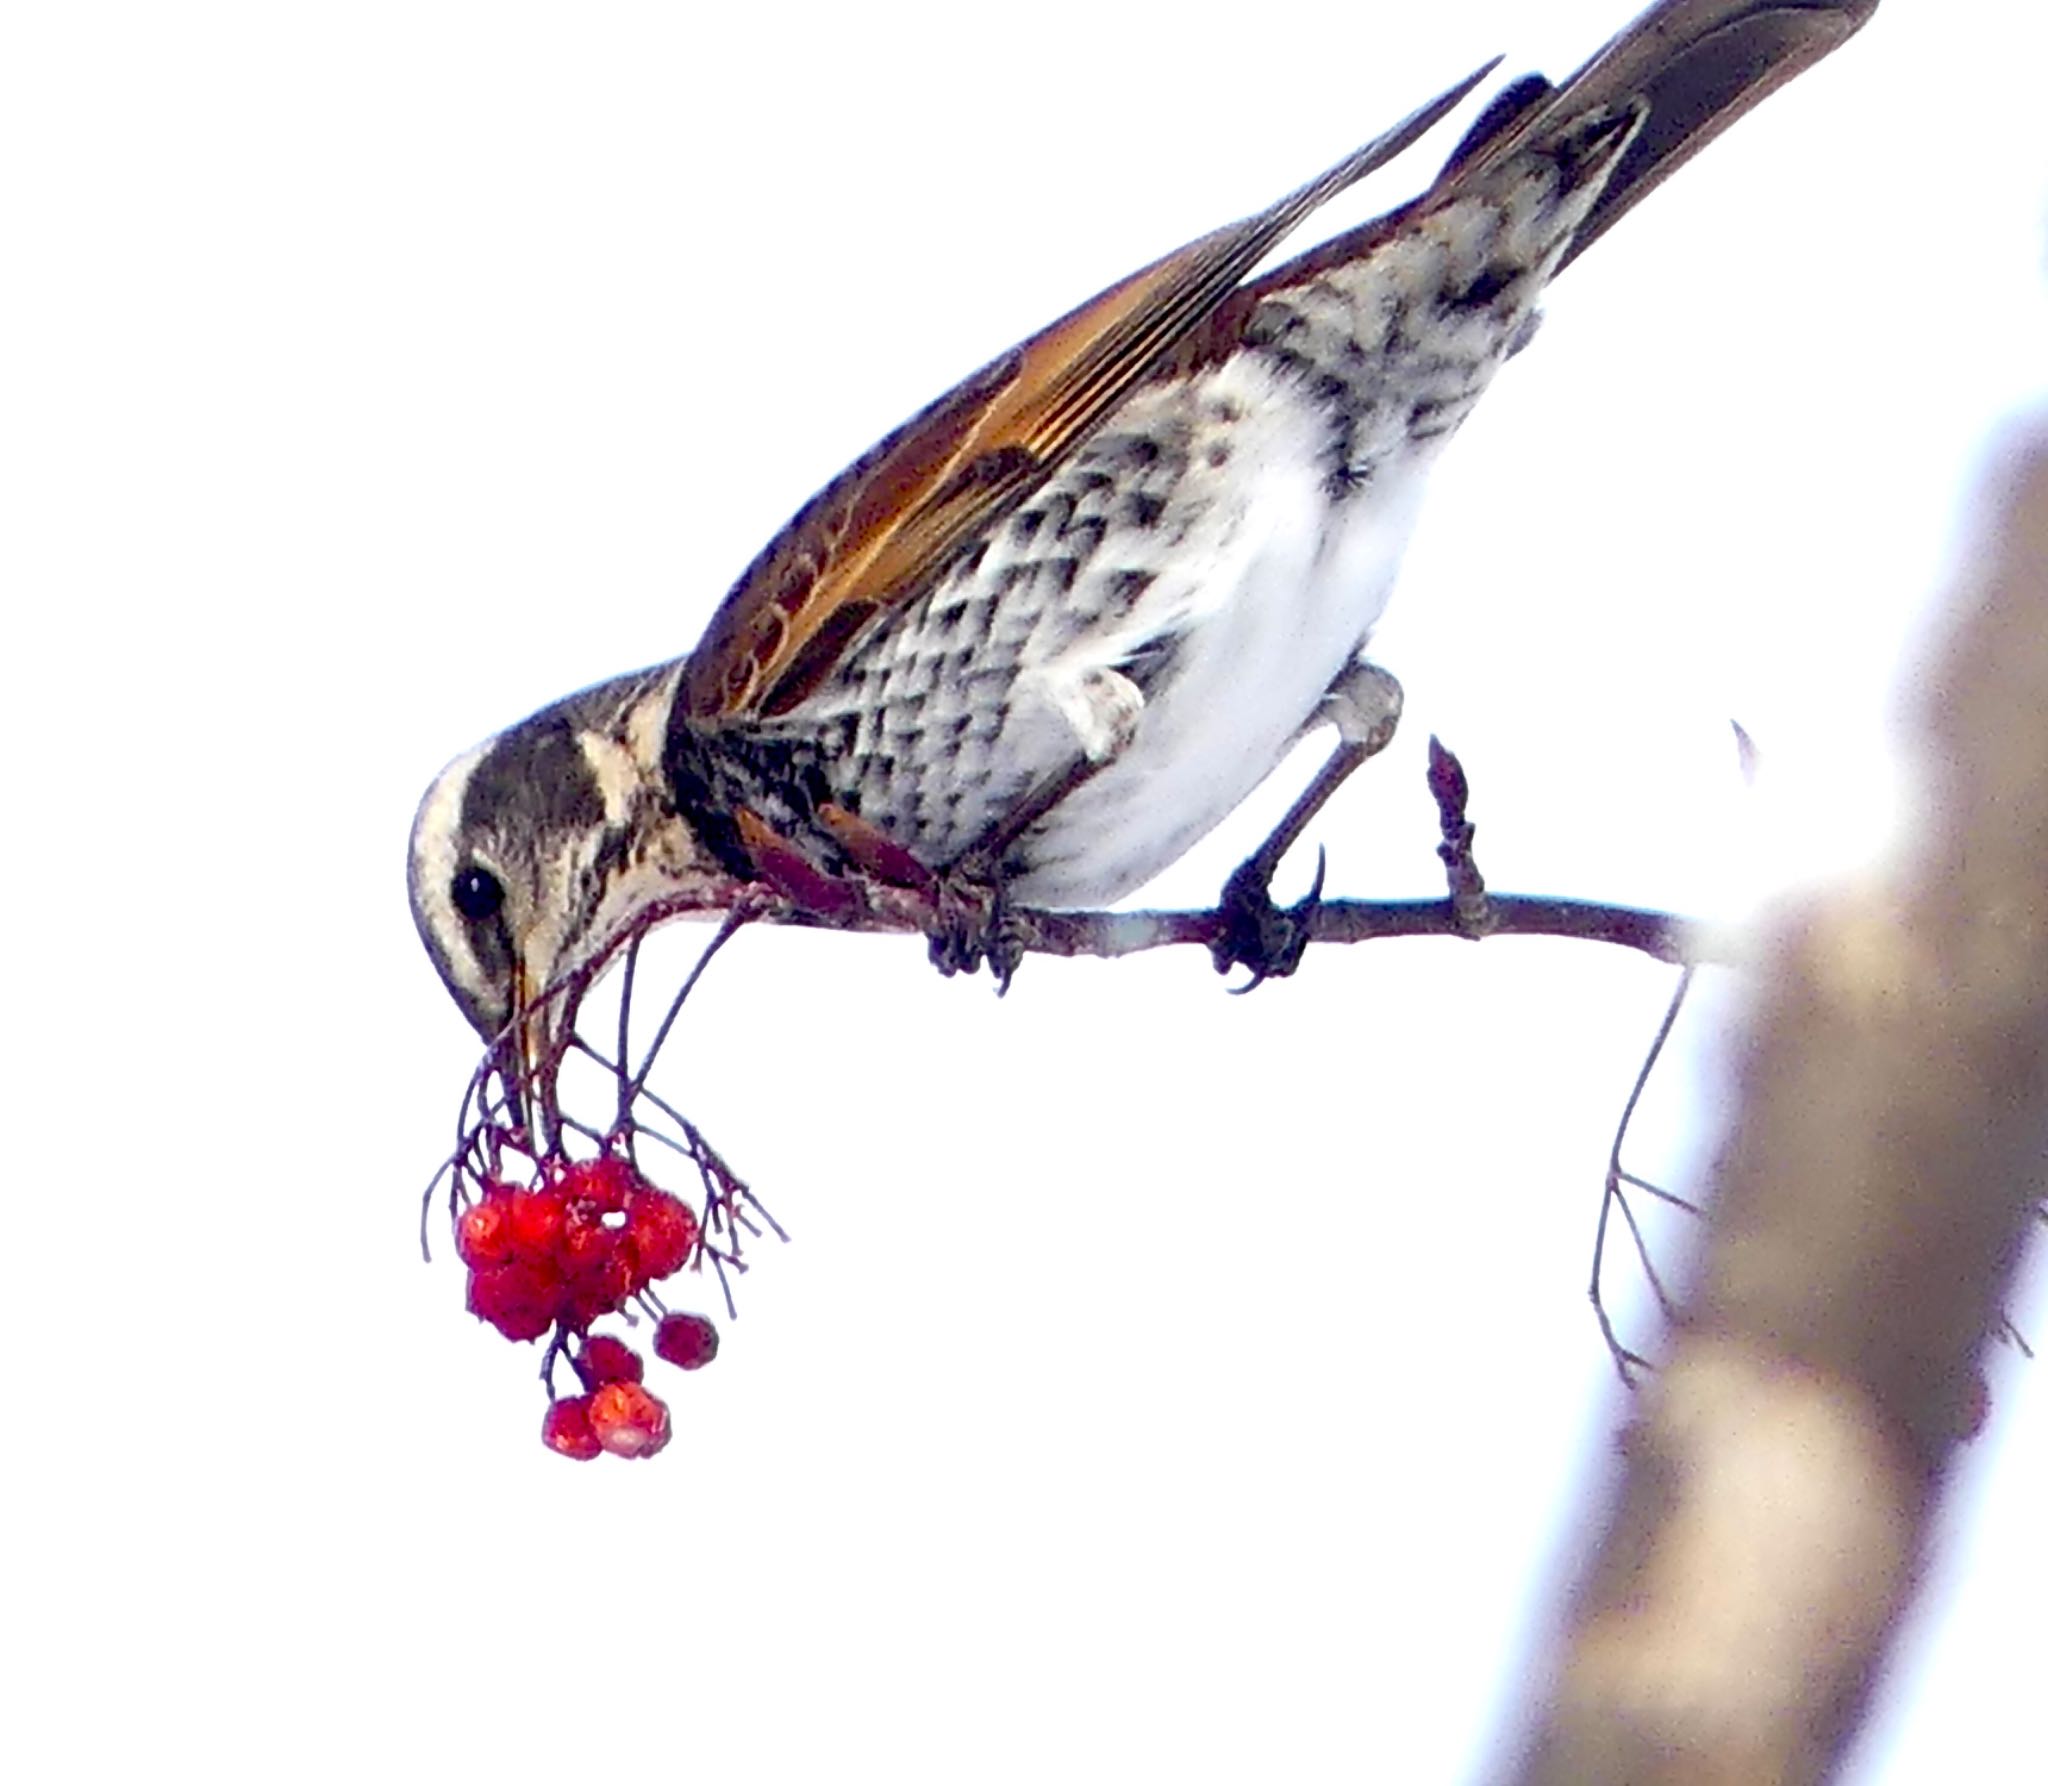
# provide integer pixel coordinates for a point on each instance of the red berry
(483, 1234)
(597, 1294)
(586, 1242)
(627, 1420)
(608, 1360)
(536, 1219)
(607, 1181)
(662, 1231)
(566, 1428)
(519, 1299)
(689, 1342)
(597, 1270)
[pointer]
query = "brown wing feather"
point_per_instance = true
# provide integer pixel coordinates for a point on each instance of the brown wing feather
(880, 533)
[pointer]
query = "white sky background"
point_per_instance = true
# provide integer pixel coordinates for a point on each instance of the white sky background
(1159, 1384)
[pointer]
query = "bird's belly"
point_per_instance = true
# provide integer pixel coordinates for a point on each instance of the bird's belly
(1279, 621)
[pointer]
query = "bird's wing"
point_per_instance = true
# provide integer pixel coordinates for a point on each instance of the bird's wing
(880, 533)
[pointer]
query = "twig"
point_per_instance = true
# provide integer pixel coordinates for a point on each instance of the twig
(1614, 1193)
(1451, 791)
(1664, 935)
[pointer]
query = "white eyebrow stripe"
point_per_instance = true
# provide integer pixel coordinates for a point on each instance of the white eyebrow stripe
(435, 854)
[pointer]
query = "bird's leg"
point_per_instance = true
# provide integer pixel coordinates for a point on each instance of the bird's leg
(971, 921)
(1364, 704)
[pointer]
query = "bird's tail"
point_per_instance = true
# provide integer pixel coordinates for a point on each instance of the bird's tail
(1691, 66)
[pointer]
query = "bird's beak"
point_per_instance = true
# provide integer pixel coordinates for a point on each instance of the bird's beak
(544, 1004)
(533, 1048)
(526, 1042)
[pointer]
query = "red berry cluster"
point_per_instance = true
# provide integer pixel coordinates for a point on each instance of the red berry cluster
(557, 1255)
(571, 1248)
(615, 1413)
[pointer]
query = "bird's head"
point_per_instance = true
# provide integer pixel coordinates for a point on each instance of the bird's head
(536, 852)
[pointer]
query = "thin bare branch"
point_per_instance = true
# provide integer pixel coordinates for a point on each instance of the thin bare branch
(1663, 935)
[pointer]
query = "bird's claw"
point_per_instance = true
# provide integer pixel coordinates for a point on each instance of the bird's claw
(1256, 934)
(971, 923)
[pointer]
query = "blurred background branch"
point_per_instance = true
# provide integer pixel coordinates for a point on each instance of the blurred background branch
(1873, 1201)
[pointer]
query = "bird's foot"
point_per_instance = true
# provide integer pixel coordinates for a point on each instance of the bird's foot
(1257, 934)
(971, 921)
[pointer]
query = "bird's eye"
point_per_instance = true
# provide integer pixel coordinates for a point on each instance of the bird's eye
(477, 893)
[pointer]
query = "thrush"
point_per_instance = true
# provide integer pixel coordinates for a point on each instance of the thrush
(1040, 639)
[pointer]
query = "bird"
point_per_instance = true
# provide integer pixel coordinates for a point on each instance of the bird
(1040, 639)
